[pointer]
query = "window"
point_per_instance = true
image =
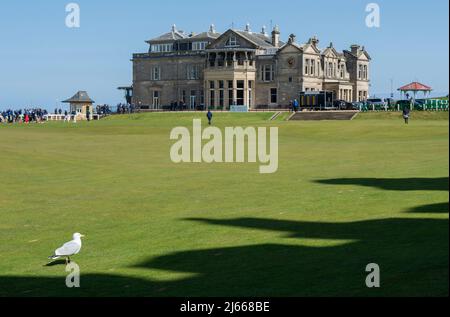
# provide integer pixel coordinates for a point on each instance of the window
(330, 69)
(273, 95)
(250, 93)
(221, 98)
(212, 93)
(290, 79)
(342, 70)
(212, 60)
(240, 57)
(313, 67)
(193, 72)
(360, 72)
(221, 93)
(306, 66)
(221, 60)
(161, 48)
(183, 47)
(193, 99)
(156, 73)
(199, 46)
(230, 93)
(267, 72)
(365, 73)
(232, 41)
(212, 98)
(240, 93)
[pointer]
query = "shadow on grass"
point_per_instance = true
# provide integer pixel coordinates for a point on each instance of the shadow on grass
(434, 208)
(412, 254)
(405, 184)
(56, 263)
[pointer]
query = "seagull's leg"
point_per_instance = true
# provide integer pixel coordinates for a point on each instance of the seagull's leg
(66, 261)
(69, 258)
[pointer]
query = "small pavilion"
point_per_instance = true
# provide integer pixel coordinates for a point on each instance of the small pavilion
(415, 87)
(80, 103)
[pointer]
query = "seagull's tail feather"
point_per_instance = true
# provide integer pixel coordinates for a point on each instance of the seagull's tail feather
(54, 257)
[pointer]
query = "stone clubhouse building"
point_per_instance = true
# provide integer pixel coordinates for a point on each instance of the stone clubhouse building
(244, 68)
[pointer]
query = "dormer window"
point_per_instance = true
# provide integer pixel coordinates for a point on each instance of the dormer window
(161, 48)
(232, 41)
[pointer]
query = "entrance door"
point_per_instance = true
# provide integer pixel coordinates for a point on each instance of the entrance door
(156, 100)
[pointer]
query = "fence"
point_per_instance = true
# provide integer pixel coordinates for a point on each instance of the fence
(419, 105)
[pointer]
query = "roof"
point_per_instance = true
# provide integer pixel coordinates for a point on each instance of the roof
(80, 97)
(296, 45)
(258, 39)
(360, 52)
(415, 86)
(206, 35)
(170, 36)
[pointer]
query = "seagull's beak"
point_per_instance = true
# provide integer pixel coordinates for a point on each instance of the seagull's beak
(82, 236)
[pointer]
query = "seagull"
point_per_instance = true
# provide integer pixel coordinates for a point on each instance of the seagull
(68, 249)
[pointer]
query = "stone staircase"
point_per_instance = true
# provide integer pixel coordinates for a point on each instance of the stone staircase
(323, 115)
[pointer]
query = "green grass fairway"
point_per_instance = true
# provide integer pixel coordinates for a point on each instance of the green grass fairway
(347, 193)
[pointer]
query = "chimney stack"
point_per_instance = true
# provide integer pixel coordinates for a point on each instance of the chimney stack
(263, 30)
(276, 36)
(355, 49)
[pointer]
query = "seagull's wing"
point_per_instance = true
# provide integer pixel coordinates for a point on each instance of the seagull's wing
(70, 248)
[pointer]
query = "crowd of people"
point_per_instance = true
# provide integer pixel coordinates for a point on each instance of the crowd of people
(23, 115)
(124, 108)
(39, 115)
(103, 110)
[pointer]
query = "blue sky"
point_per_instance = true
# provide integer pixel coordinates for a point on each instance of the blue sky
(43, 62)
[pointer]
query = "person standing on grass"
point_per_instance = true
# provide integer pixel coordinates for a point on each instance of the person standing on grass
(406, 113)
(295, 105)
(209, 115)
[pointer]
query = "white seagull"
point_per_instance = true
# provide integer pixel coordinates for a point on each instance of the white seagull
(68, 249)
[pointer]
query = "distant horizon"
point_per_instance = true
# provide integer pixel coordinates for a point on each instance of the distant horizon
(45, 62)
